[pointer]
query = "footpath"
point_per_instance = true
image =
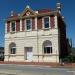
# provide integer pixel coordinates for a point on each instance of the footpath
(49, 64)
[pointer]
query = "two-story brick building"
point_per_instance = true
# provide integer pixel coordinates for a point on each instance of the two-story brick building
(35, 36)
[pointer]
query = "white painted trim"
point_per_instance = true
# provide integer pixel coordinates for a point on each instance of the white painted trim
(10, 26)
(6, 27)
(21, 25)
(55, 21)
(15, 26)
(42, 22)
(49, 23)
(31, 24)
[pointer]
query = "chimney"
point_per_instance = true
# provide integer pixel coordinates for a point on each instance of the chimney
(58, 5)
(12, 13)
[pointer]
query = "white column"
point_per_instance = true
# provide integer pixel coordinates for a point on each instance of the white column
(35, 23)
(15, 27)
(6, 27)
(56, 21)
(49, 23)
(10, 27)
(21, 25)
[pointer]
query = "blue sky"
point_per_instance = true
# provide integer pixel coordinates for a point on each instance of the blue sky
(68, 11)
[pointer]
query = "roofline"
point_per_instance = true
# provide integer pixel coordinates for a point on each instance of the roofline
(35, 15)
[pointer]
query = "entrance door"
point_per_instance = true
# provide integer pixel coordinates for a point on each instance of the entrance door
(29, 53)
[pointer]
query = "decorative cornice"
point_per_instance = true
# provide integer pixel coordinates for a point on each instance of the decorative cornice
(35, 15)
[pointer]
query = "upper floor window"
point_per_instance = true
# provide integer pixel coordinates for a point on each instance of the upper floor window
(46, 22)
(13, 26)
(28, 24)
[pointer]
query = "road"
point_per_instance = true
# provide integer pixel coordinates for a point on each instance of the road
(34, 70)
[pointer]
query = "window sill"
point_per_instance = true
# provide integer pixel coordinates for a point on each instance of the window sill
(46, 28)
(12, 32)
(12, 54)
(28, 30)
(48, 54)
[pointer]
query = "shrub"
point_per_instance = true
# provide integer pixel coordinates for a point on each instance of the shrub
(68, 59)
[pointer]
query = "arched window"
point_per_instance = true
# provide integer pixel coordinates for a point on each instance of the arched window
(47, 47)
(12, 48)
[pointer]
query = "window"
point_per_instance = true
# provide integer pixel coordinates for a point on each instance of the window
(47, 47)
(12, 48)
(13, 26)
(28, 24)
(46, 22)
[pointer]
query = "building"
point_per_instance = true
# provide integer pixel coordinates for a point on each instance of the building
(35, 36)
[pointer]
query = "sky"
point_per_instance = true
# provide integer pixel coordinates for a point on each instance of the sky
(67, 10)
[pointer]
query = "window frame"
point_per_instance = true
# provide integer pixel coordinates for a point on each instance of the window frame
(47, 47)
(30, 24)
(43, 22)
(46, 51)
(12, 51)
(11, 26)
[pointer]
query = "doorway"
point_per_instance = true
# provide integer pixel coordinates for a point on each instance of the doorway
(28, 53)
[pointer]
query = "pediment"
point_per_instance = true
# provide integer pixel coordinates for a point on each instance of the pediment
(27, 12)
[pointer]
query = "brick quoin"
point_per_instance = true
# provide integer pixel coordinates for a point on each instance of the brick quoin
(33, 23)
(52, 23)
(17, 25)
(39, 23)
(8, 26)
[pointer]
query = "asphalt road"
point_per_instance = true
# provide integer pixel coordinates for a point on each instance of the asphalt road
(34, 70)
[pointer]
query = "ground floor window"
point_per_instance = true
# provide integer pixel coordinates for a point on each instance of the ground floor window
(47, 47)
(12, 48)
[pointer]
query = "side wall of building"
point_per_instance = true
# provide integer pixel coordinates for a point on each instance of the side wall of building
(62, 35)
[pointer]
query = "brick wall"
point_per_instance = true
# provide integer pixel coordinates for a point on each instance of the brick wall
(33, 23)
(63, 41)
(17, 25)
(52, 23)
(8, 26)
(39, 23)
